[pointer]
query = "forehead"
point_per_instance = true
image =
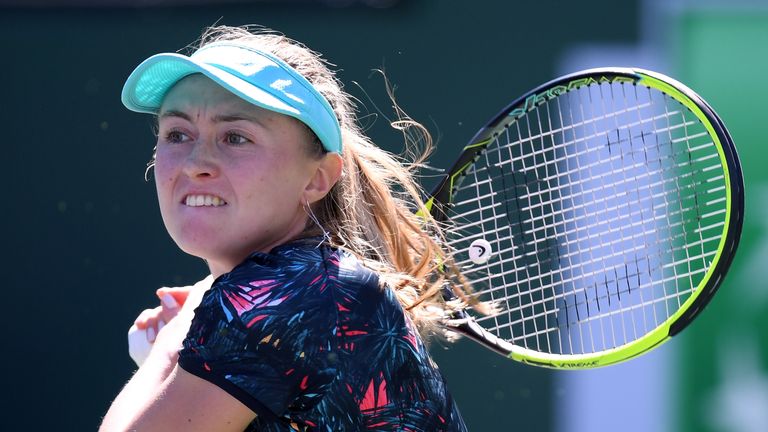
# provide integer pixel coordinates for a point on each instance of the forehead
(197, 96)
(197, 90)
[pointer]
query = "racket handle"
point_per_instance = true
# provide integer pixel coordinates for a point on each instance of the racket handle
(138, 345)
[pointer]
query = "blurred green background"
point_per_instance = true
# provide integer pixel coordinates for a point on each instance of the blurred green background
(85, 247)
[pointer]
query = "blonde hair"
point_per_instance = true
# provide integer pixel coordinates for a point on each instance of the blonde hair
(375, 210)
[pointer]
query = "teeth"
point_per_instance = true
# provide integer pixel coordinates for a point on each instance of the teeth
(204, 200)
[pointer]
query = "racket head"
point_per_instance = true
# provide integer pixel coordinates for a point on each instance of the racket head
(601, 184)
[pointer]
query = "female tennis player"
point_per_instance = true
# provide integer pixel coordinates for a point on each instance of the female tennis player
(325, 279)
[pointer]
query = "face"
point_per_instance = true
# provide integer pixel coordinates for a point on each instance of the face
(231, 177)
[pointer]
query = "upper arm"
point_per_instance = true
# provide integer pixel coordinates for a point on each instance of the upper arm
(186, 402)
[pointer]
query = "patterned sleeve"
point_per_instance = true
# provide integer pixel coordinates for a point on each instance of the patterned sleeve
(264, 334)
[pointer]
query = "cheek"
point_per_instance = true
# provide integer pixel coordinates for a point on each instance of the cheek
(164, 160)
(276, 191)
(165, 175)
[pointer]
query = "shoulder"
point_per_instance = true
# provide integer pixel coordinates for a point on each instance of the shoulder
(283, 263)
(287, 280)
(265, 329)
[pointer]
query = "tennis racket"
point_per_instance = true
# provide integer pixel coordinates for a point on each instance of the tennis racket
(599, 212)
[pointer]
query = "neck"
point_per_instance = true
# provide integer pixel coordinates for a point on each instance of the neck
(226, 264)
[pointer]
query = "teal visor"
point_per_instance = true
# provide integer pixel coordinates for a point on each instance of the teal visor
(255, 76)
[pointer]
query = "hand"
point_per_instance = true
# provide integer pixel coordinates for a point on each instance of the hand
(145, 330)
(153, 320)
(142, 335)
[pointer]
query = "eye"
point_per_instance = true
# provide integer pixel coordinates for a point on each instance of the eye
(175, 136)
(235, 139)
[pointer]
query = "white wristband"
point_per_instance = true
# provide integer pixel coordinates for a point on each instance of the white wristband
(138, 345)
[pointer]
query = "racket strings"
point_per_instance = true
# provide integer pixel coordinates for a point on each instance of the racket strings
(573, 171)
(468, 224)
(487, 278)
(575, 185)
(577, 169)
(469, 269)
(597, 299)
(587, 138)
(463, 229)
(591, 212)
(605, 297)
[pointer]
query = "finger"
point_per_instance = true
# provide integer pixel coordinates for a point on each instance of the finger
(170, 307)
(169, 301)
(147, 317)
(179, 294)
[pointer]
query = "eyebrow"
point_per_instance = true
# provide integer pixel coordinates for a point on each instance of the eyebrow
(222, 118)
(172, 113)
(228, 118)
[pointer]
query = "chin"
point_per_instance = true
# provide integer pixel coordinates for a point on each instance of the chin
(199, 246)
(219, 259)
(196, 252)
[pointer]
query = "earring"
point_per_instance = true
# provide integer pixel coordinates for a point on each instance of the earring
(316, 221)
(150, 166)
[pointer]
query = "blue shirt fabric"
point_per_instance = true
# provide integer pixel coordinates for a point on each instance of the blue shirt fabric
(307, 338)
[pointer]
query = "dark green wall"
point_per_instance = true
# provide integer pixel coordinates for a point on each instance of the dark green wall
(84, 246)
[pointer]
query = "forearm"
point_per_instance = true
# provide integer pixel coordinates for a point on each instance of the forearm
(143, 388)
(149, 384)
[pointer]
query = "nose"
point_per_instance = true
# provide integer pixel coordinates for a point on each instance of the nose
(202, 160)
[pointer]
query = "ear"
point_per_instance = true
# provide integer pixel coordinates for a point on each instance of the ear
(327, 173)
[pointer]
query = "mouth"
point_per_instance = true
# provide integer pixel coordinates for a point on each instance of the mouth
(203, 201)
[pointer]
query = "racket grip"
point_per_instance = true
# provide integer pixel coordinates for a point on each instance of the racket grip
(138, 345)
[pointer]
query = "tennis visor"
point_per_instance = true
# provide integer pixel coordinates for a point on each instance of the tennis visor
(255, 76)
